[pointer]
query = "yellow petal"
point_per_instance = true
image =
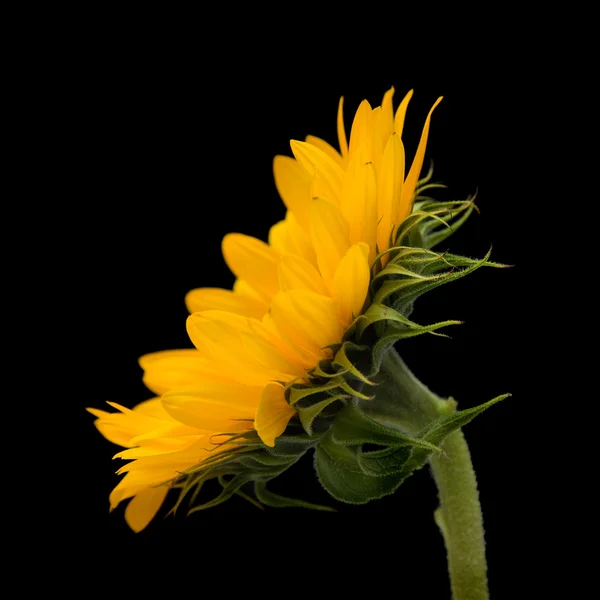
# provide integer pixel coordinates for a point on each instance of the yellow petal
(304, 359)
(320, 189)
(360, 135)
(389, 190)
(300, 243)
(113, 430)
(142, 452)
(132, 428)
(244, 289)
(143, 506)
(296, 273)
(169, 436)
(159, 435)
(308, 321)
(341, 131)
(253, 261)
(329, 235)
(128, 487)
(351, 282)
(294, 186)
(217, 336)
(162, 468)
(170, 369)
(314, 161)
(239, 348)
(272, 354)
(273, 414)
(123, 427)
(219, 299)
(220, 324)
(387, 117)
(214, 406)
(122, 409)
(163, 443)
(140, 480)
(376, 135)
(287, 237)
(401, 114)
(278, 236)
(327, 148)
(359, 202)
(415, 170)
(152, 408)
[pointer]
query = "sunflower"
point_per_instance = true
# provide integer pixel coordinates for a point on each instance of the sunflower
(293, 300)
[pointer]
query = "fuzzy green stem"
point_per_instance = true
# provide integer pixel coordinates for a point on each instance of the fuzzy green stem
(405, 403)
(459, 518)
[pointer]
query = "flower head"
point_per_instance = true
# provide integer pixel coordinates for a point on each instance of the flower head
(283, 334)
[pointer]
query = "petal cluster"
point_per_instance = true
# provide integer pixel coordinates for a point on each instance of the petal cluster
(293, 297)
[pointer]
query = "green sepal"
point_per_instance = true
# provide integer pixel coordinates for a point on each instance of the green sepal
(384, 462)
(342, 359)
(308, 415)
(411, 226)
(344, 385)
(433, 235)
(269, 498)
(379, 312)
(340, 474)
(421, 182)
(300, 391)
(432, 186)
(394, 334)
(325, 370)
(353, 427)
(263, 461)
(246, 497)
(231, 487)
(401, 254)
(185, 486)
(293, 445)
(401, 287)
(439, 430)
(409, 295)
(445, 219)
(455, 261)
(393, 268)
(437, 236)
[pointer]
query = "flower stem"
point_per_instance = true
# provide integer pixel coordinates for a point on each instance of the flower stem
(409, 405)
(459, 519)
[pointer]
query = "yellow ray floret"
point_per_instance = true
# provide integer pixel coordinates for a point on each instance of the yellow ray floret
(293, 297)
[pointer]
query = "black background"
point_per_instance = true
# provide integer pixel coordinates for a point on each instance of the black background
(171, 147)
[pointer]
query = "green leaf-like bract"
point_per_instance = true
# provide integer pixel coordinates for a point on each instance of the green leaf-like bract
(354, 475)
